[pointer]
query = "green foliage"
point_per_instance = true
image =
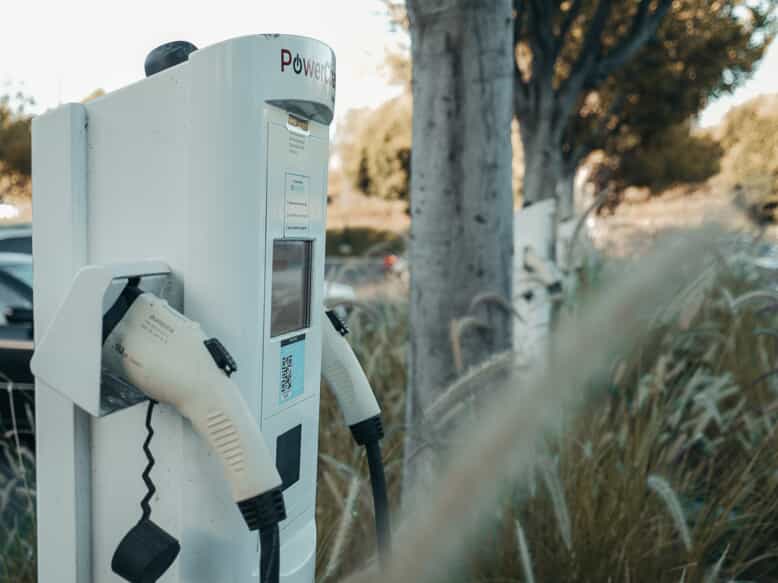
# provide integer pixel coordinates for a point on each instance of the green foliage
(15, 139)
(362, 240)
(670, 468)
(674, 156)
(606, 78)
(377, 156)
(375, 145)
(750, 135)
(17, 512)
(677, 466)
(703, 49)
(638, 115)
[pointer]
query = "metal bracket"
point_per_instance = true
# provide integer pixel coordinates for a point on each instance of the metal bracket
(68, 358)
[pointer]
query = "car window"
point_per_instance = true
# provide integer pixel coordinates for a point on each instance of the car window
(21, 271)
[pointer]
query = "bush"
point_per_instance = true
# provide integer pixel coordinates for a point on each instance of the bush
(352, 241)
(17, 513)
(375, 150)
(750, 135)
(675, 156)
(675, 472)
(15, 138)
(670, 476)
(377, 156)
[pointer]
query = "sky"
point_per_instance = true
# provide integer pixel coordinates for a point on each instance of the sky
(58, 52)
(764, 81)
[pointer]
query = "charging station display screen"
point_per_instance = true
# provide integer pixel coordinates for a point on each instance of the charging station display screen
(291, 286)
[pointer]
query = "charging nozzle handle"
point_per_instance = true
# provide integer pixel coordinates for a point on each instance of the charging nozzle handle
(170, 359)
(345, 376)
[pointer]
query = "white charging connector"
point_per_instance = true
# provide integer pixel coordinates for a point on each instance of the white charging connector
(346, 377)
(168, 357)
(165, 355)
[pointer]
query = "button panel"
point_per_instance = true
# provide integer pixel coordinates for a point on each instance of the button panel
(296, 205)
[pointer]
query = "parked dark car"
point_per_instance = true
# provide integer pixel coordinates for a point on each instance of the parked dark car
(16, 332)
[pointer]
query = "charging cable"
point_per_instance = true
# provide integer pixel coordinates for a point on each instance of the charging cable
(346, 378)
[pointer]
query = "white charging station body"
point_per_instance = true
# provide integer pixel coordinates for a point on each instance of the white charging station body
(217, 168)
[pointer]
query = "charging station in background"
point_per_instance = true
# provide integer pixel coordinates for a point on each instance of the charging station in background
(206, 180)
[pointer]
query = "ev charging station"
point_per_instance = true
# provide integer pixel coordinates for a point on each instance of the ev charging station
(204, 183)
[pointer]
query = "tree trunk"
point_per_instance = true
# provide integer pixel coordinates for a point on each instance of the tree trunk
(461, 201)
(565, 193)
(542, 165)
(547, 171)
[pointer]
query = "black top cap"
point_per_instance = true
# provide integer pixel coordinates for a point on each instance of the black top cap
(167, 55)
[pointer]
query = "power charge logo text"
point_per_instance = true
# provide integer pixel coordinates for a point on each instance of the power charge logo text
(309, 67)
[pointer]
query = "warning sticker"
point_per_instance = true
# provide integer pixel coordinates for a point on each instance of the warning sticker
(292, 368)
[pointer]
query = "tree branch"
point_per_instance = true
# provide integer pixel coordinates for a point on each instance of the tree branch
(543, 34)
(567, 23)
(644, 26)
(520, 10)
(521, 95)
(521, 87)
(588, 59)
(592, 44)
(598, 137)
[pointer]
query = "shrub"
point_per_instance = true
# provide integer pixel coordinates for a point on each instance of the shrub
(673, 474)
(749, 134)
(377, 156)
(15, 138)
(17, 513)
(362, 240)
(675, 156)
(669, 476)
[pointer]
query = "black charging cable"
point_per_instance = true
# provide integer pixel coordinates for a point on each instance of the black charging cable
(270, 554)
(369, 433)
(151, 489)
(146, 551)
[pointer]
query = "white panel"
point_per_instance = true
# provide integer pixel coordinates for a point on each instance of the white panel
(59, 245)
(137, 141)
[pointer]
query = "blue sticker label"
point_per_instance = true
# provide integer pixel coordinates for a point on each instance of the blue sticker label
(292, 368)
